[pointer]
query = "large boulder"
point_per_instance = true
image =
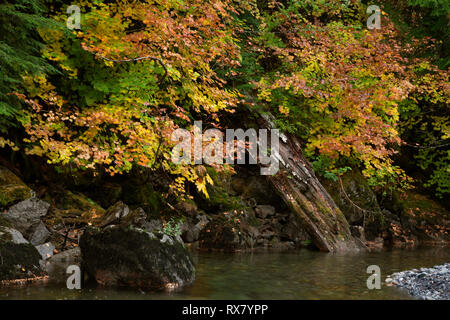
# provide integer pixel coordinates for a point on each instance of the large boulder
(26, 216)
(18, 258)
(131, 257)
(12, 189)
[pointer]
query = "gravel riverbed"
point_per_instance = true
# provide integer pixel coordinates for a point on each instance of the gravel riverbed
(424, 283)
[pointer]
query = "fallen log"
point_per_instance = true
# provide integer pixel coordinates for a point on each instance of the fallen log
(304, 194)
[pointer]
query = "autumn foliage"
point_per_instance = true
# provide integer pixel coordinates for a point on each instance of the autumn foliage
(137, 70)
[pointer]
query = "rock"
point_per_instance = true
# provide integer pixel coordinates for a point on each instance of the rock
(25, 216)
(40, 234)
(264, 211)
(113, 215)
(153, 225)
(46, 250)
(9, 234)
(376, 244)
(137, 218)
(71, 256)
(18, 259)
(56, 266)
(191, 231)
(227, 231)
(138, 194)
(107, 194)
(188, 207)
(12, 189)
(418, 218)
(119, 256)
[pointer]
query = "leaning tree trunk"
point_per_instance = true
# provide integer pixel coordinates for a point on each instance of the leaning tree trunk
(308, 199)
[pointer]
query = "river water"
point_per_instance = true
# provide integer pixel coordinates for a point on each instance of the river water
(299, 274)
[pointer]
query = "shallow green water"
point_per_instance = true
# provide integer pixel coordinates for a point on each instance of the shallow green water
(294, 275)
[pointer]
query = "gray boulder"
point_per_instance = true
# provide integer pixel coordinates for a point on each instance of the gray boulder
(25, 216)
(40, 234)
(46, 250)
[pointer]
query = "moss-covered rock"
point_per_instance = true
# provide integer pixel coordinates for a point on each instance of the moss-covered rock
(362, 209)
(72, 208)
(12, 189)
(125, 256)
(18, 261)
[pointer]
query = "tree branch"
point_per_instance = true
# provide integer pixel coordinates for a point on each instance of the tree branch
(138, 59)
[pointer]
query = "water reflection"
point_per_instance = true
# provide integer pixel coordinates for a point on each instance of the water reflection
(294, 275)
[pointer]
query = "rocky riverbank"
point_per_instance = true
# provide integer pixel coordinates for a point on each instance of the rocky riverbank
(424, 283)
(45, 227)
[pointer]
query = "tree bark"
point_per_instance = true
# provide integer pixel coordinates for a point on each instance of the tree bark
(304, 194)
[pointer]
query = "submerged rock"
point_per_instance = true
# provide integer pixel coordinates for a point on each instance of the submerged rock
(126, 256)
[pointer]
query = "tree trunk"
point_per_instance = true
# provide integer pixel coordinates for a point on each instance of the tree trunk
(304, 194)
